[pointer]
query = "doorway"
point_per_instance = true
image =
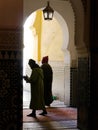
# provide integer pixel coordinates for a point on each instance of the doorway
(40, 41)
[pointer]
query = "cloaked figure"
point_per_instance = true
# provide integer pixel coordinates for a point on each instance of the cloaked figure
(48, 78)
(37, 89)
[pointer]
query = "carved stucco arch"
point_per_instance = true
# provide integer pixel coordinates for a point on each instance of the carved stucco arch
(79, 8)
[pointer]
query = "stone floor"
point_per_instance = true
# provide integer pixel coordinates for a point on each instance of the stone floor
(52, 125)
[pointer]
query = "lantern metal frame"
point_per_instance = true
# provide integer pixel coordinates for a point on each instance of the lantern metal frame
(48, 12)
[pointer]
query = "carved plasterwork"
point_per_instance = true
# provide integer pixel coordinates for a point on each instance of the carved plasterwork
(10, 39)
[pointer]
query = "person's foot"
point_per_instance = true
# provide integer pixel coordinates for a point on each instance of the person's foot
(43, 113)
(32, 115)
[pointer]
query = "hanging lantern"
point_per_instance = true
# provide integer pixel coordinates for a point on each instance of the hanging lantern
(48, 12)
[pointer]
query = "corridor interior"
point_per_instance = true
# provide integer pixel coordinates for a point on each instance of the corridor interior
(60, 63)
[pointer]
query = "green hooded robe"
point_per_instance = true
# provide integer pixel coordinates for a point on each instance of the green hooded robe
(37, 89)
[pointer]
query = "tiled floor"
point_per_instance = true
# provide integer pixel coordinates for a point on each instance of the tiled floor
(52, 125)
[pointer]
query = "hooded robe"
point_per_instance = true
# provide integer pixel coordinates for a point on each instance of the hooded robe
(37, 89)
(48, 78)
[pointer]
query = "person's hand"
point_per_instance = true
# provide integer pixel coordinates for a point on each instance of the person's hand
(25, 77)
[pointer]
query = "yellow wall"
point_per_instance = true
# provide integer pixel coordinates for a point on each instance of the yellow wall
(38, 27)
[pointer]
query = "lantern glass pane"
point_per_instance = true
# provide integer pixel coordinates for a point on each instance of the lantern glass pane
(50, 15)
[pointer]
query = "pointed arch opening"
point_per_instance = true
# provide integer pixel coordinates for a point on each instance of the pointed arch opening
(48, 38)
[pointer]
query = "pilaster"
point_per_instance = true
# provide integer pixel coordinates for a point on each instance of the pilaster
(10, 79)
